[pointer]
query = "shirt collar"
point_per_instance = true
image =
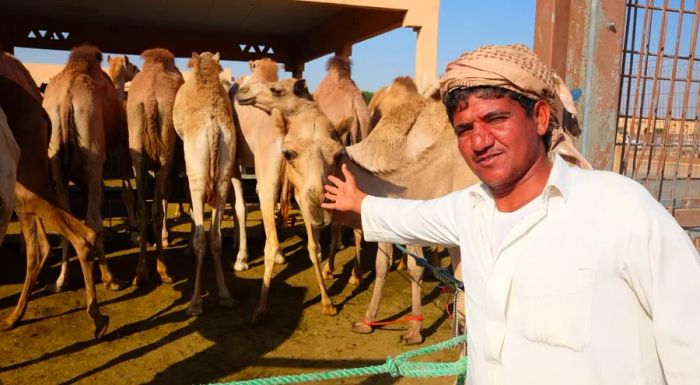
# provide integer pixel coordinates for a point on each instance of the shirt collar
(557, 184)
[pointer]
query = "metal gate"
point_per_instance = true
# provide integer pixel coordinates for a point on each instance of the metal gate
(658, 137)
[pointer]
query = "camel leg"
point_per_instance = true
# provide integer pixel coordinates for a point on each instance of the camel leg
(356, 277)
(240, 208)
(141, 276)
(336, 240)
(158, 218)
(34, 263)
(197, 170)
(381, 267)
(413, 335)
(127, 192)
(225, 299)
(272, 245)
(327, 307)
(63, 280)
(79, 235)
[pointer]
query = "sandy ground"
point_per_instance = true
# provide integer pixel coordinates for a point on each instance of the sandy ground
(152, 341)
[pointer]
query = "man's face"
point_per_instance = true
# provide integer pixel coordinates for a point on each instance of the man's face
(499, 142)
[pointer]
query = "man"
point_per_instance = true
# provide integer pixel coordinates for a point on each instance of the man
(572, 276)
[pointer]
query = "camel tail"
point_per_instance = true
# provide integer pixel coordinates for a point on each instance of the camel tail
(213, 174)
(152, 129)
(67, 133)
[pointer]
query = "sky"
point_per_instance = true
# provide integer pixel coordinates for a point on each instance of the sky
(464, 25)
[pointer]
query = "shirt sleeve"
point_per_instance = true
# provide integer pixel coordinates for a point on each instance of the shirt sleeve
(664, 269)
(415, 222)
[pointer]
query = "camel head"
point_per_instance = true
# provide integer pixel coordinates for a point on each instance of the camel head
(310, 145)
(205, 66)
(121, 66)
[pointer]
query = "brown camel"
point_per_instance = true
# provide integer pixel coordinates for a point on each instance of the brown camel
(13, 69)
(259, 146)
(152, 146)
(37, 204)
(87, 121)
(309, 147)
(121, 71)
(339, 99)
(9, 158)
(203, 118)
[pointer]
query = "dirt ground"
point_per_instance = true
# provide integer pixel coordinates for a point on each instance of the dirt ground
(152, 341)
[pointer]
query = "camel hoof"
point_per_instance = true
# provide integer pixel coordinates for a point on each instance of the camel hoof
(140, 280)
(280, 259)
(329, 310)
(259, 317)
(194, 310)
(6, 325)
(327, 273)
(354, 281)
(135, 237)
(362, 328)
(165, 278)
(228, 302)
(241, 266)
(56, 288)
(412, 339)
(116, 284)
(101, 325)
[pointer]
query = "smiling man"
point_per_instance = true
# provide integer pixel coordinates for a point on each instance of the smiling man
(572, 276)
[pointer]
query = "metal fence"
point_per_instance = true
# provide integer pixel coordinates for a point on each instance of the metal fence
(658, 137)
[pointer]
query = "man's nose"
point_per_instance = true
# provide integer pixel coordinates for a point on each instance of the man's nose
(482, 138)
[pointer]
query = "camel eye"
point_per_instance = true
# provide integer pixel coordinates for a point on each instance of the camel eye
(289, 155)
(277, 91)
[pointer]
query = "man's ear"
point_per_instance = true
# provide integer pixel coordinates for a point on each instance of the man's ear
(542, 113)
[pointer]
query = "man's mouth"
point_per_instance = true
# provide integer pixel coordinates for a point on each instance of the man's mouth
(488, 158)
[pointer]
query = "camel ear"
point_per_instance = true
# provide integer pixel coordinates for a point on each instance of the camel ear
(216, 56)
(195, 55)
(301, 91)
(251, 64)
(278, 120)
(109, 58)
(126, 59)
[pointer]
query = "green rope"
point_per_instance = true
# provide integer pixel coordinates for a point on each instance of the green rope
(398, 366)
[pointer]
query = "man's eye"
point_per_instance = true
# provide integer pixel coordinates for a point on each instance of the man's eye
(498, 119)
(459, 130)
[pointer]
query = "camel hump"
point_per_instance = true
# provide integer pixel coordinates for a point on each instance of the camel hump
(85, 53)
(157, 55)
(342, 64)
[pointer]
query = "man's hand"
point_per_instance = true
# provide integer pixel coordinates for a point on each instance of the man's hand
(344, 198)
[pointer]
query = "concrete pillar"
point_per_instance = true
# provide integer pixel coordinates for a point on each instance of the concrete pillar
(426, 55)
(344, 50)
(297, 69)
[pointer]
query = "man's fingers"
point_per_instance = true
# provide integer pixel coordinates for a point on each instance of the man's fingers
(330, 197)
(328, 206)
(331, 189)
(349, 178)
(335, 180)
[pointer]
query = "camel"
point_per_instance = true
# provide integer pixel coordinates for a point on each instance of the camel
(203, 118)
(37, 203)
(121, 71)
(339, 99)
(9, 158)
(309, 146)
(152, 146)
(14, 70)
(260, 146)
(416, 136)
(87, 121)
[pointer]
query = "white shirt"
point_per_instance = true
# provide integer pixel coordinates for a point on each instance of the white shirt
(600, 286)
(503, 222)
